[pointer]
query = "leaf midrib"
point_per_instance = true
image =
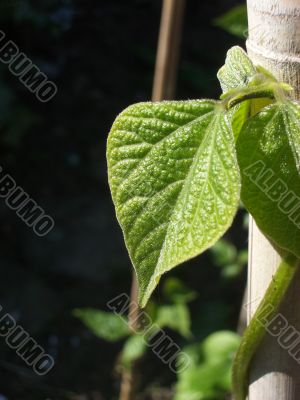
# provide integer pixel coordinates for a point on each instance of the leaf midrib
(192, 163)
(187, 183)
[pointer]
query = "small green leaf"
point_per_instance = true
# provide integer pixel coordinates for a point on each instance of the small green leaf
(174, 181)
(108, 326)
(240, 81)
(176, 317)
(175, 291)
(269, 157)
(134, 348)
(234, 21)
(237, 71)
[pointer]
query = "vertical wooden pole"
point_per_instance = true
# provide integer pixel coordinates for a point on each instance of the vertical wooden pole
(168, 50)
(163, 88)
(274, 43)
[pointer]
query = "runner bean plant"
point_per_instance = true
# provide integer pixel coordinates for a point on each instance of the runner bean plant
(178, 170)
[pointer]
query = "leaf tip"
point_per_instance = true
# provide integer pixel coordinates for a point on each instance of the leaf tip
(145, 293)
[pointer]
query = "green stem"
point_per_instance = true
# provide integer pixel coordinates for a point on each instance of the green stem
(256, 330)
(269, 90)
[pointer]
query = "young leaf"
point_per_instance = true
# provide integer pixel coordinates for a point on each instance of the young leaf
(106, 325)
(237, 70)
(239, 78)
(269, 156)
(174, 181)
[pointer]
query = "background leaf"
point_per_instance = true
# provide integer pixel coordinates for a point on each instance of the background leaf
(134, 348)
(227, 257)
(223, 252)
(208, 376)
(234, 21)
(175, 291)
(176, 317)
(220, 346)
(106, 325)
(174, 181)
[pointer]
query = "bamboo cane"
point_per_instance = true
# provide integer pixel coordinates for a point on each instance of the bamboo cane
(274, 43)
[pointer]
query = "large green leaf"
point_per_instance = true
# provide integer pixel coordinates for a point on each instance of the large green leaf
(106, 325)
(268, 153)
(174, 181)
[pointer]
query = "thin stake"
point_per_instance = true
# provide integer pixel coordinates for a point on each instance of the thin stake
(168, 50)
(274, 31)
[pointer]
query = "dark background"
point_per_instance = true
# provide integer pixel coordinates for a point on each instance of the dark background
(101, 56)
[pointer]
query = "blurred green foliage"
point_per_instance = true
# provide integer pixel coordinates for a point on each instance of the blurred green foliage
(226, 256)
(105, 325)
(208, 374)
(176, 317)
(134, 348)
(234, 21)
(208, 377)
(113, 327)
(175, 291)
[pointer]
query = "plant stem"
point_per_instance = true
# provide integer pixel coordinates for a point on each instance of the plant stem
(127, 384)
(269, 90)
(256, 330)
